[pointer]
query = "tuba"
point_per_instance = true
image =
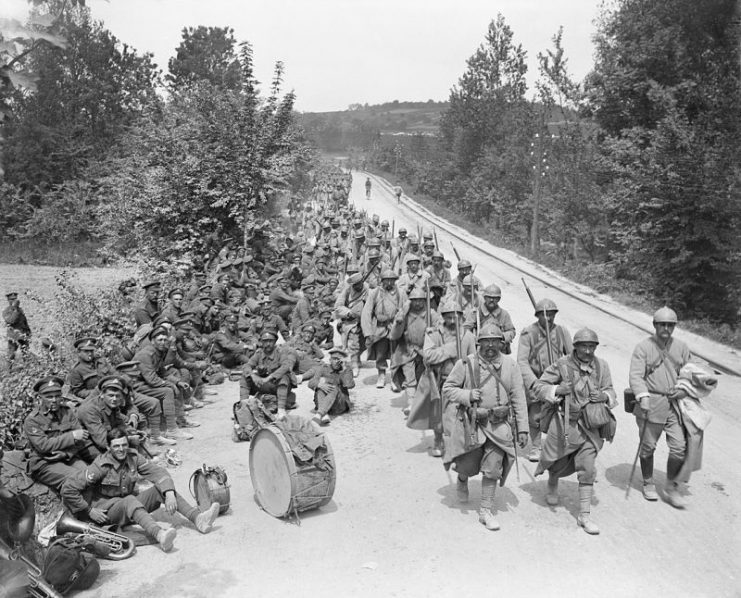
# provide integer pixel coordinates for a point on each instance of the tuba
(117, 547)
(19, 531)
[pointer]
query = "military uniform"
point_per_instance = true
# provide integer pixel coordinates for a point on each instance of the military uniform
(99, 419)
(376, 319)
(337, 401)
(19, 332)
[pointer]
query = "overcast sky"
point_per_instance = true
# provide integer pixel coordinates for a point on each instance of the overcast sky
(339, 52)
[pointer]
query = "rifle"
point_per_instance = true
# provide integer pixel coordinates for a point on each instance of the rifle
(393, 227)
(513, 418)
(436, 411)
(370, 271)
(565, 412)
(434, 235)
(455, 251)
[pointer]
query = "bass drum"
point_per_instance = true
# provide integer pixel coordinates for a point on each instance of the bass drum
(283, 486)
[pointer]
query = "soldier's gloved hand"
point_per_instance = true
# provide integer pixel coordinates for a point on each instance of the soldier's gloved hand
(563, 389)
(98, 516)
(645, 404)
(281, 414)
(522, 439)
(80, 435)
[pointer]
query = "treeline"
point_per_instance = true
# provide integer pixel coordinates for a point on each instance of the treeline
(637, 168)
(100, 145)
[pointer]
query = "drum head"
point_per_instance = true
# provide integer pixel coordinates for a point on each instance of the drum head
(271, 469)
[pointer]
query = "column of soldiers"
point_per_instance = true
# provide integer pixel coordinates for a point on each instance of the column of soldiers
(263, 313)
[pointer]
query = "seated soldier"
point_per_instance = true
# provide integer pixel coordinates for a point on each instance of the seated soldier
(331, 383)
(269, 372)
(104, 493)
(58, 440)
(104, 412)
(308, 354)
(148, 406)
(83, 378)
(228, 348)
(324, 334)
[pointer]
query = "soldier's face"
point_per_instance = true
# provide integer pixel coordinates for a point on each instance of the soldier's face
(119, 447)
(664, 330)
(585, 351)
(267, 344)
(463, 272)
(449, 319)
(437, 262)
(113, 398)
(51, 401)
(417, 305)
(413, 266)
(177, 300)
(491, 303)
(388, 283)
(546, 318)
(307, 335)
(153, 294)
(160, 342)
(86, 355)
(490, 347)
(231, 325)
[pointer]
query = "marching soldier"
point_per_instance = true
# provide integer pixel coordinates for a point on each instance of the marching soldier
(58, 440)
(414, 277)
(104, 493)
(654, 372)
(484, 390)
(349, 309)
(490, 313)
(408, 334)
(443, 346)
(378, 314)
(533, 357)
(582, 382)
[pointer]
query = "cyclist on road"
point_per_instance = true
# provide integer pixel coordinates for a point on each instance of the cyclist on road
(367, 188)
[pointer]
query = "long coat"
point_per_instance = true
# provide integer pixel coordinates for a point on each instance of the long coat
(378, 315)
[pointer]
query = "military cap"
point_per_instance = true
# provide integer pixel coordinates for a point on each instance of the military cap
(206, 299)
(268, 335)
(354, 278)
(412, 258)
(331, 270)
(309, 287)
(417, 293)
(112, 381)
(205, 287)
(464, 264)
(151, 283)
(309, 326)
(467, 280)
(86, 342)
(492, 291)
(402, 230)
(384, 223)
(450, 306)
(161, 320)
(183, 323)
(374, 253)
(389, 274)
(427, 235)
(438, 253)
(126, 366)
(247, 259)
(157, 331)
(48, 385)
(490, 331)
(231, 317)
(174, 292)
(429, 243)
(187, 314)
(11, 295)
(238, 261)
(265, 301)
(338, 352)
(258, 265)
(309, 248)
(325, 310)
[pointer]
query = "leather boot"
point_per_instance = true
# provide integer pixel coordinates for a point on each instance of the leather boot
(534, 454)
(205, 521)
(551, 497)
(647, 470)
(673, 466)
(486, 517)
(585, 505)
(381, 380)
(355, 367)
(439, 447)
(461, 489)
(166, 538)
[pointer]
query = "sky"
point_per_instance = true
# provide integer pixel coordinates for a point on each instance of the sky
(340, 52)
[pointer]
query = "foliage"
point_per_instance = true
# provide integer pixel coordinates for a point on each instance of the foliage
(205, 54)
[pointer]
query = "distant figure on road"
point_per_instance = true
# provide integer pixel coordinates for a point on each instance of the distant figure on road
(368, 188)
(398, 192)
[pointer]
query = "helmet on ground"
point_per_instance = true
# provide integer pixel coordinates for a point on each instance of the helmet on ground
(490, 331)
(492, 291)
(665, 314)
(585, 335)
(545, 305)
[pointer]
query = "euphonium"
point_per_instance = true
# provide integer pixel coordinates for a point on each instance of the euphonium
(20, 531)
(120, 546)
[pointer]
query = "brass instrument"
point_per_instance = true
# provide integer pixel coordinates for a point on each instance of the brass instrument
(19, 532)
(120, 547)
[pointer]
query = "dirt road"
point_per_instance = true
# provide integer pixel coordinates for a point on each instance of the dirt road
(394, 528)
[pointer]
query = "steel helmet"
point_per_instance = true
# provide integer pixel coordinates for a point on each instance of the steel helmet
(665, 314)
(545, 305)
(490, 331)
(585, 335)
(464, 264)
(417, 293)
(389, 274)
(449, 307)
(466, 282)
(412, 258)
(492, 291)
(374, 253)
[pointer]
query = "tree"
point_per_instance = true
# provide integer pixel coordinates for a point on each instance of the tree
(205, 54)
(665, 90)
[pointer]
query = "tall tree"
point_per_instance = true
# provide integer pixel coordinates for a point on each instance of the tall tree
(665, 89)
(206, 54)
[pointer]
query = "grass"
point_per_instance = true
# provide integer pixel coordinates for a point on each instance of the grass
(596, 275)
(32, 252)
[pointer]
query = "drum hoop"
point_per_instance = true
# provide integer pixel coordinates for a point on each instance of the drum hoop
(288, 459)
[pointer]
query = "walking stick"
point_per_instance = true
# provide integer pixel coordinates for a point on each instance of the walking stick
(635, 460)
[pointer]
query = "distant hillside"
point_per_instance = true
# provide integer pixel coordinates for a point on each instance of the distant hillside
(360, 125)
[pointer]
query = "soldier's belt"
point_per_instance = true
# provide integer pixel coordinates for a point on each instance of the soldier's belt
(497, 415)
